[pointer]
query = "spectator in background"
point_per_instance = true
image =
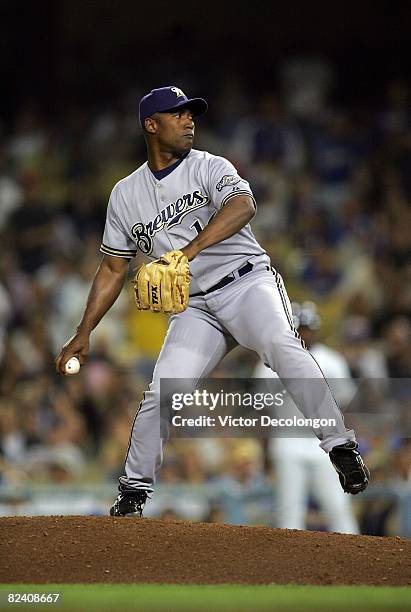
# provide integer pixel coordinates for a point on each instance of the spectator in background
(365, 357)
(31, 227)
(336, 150)
(11, 194)
(12, 441)
(397, 339)
(306, 83)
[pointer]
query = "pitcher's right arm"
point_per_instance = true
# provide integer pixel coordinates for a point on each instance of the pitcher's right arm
(105, 289)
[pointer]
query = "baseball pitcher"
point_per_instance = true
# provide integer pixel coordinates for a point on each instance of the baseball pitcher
(189, 211)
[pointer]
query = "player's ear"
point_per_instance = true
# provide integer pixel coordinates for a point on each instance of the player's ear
(150, 125)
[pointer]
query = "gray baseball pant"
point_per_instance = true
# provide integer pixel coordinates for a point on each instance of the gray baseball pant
(255, 312)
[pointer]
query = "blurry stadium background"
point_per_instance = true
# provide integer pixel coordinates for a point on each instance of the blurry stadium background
(312, 104)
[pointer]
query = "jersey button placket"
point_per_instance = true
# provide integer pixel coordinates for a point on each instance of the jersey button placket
(162, 199)
(160, 192)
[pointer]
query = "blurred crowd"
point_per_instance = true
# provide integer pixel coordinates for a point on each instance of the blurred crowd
(333, 187)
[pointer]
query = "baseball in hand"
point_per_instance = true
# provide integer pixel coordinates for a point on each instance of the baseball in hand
(72, 366)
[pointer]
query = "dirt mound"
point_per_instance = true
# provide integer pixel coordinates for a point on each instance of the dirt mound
(90, 549)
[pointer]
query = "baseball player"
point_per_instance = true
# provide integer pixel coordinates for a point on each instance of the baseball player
(189, 211)
(301, 466)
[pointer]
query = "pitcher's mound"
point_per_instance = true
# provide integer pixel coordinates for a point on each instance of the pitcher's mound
(103, 549)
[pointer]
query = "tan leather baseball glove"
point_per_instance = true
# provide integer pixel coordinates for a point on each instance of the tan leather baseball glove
(164, 284)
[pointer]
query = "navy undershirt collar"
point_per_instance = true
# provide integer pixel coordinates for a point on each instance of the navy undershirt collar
(160, 174)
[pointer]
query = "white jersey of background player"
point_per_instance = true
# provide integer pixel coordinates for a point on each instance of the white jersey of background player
(301, 468)
(196, 202)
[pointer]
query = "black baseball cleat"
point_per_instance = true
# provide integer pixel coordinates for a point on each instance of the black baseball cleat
(351, 469)
(129, 502)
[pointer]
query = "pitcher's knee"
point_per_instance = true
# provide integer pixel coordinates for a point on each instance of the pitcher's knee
(278, 352)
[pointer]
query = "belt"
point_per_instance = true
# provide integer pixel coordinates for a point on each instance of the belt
(228, 279)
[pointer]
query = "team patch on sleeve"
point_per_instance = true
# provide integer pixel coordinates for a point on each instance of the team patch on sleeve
(227, 180)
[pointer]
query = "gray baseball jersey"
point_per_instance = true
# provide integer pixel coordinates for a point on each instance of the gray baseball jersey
(162, 211)
(155, 216)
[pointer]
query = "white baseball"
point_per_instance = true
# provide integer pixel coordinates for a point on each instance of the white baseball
(72, 366)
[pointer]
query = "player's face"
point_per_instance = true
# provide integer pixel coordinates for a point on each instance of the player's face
(175, 130)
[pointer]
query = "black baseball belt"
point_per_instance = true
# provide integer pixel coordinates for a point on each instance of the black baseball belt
(228, 279)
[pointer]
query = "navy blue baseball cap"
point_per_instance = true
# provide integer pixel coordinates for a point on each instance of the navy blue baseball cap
(169, 98)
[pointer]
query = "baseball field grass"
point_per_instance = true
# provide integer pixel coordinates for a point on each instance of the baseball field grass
(150, 597)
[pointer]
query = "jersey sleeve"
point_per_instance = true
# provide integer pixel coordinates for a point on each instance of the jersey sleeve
(116, 240)
(225, 182)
